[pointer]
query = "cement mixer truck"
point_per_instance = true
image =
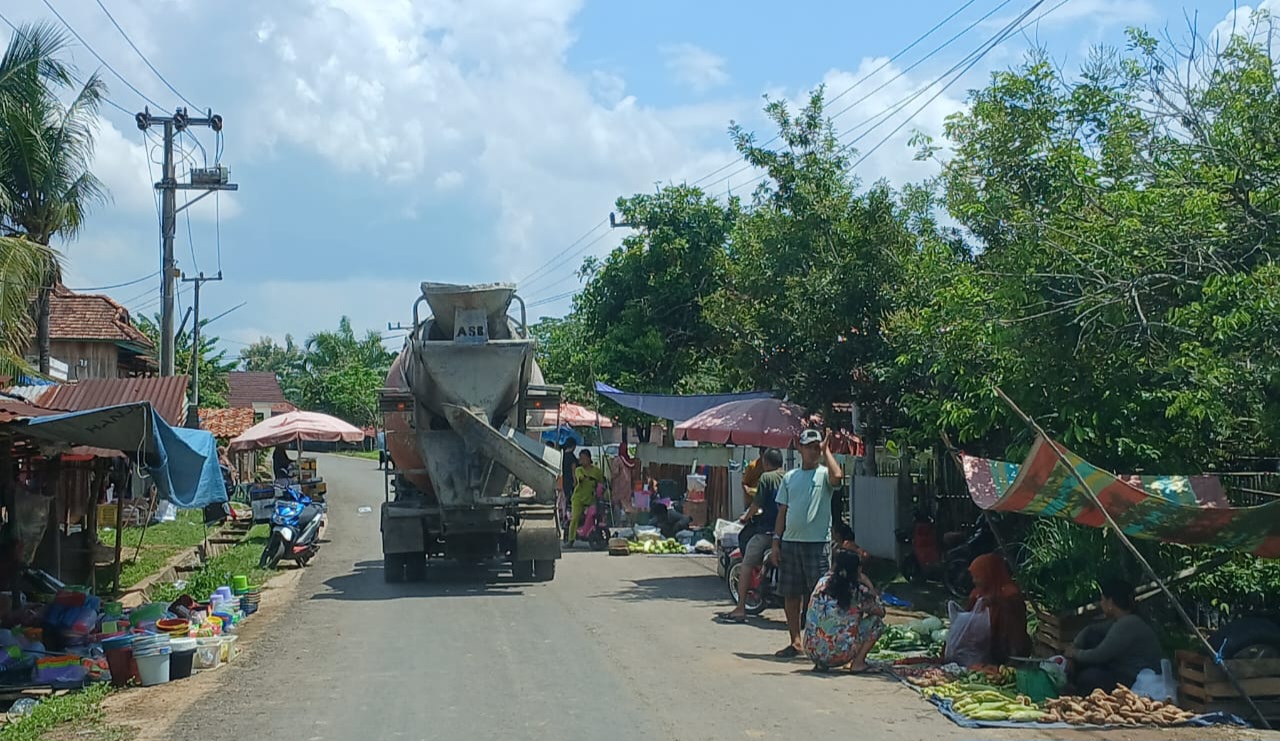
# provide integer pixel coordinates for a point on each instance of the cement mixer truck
(466, 483)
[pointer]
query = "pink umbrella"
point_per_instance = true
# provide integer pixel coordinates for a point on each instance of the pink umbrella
(576, 415)
(296, 427)
(762, 422)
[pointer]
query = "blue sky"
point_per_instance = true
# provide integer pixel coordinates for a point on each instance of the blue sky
(379, 143)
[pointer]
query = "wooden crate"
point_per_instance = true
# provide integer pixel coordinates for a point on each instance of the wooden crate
(1203, 686)
(307, 464)
(1055, 632)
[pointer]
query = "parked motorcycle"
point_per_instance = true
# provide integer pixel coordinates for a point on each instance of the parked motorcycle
(295, 529)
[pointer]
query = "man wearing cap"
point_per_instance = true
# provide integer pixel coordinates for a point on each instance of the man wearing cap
(803, 530)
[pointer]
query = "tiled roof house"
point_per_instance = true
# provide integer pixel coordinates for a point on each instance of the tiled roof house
(96, 338)
(259, 391)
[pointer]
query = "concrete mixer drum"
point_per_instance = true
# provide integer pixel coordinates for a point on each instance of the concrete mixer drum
(455, 410)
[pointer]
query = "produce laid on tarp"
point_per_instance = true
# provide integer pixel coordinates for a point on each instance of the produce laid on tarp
(987, 696)
(924, 637)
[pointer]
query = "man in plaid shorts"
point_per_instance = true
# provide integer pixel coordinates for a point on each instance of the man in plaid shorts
(803, 532)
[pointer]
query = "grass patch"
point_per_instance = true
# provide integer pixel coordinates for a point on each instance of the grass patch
(77, 715)
(366, 454)
(241, 558)
(162, 541)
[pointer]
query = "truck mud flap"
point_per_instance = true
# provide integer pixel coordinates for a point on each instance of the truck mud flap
(538, 538)
(402, 529)
(506, 450)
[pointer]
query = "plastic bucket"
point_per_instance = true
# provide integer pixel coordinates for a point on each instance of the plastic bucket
(120, 662)
(240, 583)
(181, 663)
(228, 648)
(153, 669)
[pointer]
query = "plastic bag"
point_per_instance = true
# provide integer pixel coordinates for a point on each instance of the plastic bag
(969, 639)
(1160, 687)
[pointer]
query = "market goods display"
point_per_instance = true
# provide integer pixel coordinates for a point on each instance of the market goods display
(1123, 707)
(925, 636)
(984, 702)
(668, 546)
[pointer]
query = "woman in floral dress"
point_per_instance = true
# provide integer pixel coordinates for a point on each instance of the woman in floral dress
(845, 617)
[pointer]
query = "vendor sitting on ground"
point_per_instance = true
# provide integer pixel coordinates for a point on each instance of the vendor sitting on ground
(845, 617)
(1005, 604)
(1114, 652)
(669, 521)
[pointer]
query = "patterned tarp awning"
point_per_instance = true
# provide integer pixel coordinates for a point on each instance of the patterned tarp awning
(1191, 510)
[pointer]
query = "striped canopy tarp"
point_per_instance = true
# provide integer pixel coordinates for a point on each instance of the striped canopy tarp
(1191, 510)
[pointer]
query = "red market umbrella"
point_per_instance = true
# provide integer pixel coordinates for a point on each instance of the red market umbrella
(575, 415)
(296, 427)
(762, 422)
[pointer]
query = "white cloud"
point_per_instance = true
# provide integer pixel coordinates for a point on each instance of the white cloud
(409, 92)
(695, 67)
(449, 180)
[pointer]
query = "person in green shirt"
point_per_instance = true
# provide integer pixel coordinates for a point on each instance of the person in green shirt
(586, 477)
(802, 534)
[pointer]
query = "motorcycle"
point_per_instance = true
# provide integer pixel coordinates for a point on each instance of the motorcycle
(955, 572)
(761, 583)
(295, 530)
(948, 562)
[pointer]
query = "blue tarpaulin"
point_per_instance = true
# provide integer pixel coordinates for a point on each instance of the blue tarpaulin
(183, 463)
(673, 407)
(562, 435)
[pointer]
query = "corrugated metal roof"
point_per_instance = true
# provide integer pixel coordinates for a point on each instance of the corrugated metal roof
(14, 410)
(167, 395)
(30, 393)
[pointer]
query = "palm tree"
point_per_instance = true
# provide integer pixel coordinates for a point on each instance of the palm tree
(46, 146)
(23, 266)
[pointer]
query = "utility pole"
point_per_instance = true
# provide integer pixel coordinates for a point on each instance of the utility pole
(193, 408)
(207, 179)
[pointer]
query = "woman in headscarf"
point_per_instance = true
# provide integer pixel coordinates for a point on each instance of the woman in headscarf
(621, 469)
(587, 476)
(845, 617)
(993, 584)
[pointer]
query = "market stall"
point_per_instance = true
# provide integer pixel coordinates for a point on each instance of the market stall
(292, 429)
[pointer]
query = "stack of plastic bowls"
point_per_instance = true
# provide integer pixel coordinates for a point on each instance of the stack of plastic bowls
(151, 652)
(250, 600)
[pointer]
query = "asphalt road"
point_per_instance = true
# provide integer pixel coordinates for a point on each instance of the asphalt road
(615, 649)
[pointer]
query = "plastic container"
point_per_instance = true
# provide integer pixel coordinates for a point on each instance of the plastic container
(240, 584)
(182, 658)
(120, 663)
(228, 648)
(208, 653)
(153, 669)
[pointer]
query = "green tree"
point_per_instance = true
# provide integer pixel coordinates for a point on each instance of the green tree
(640, 316)
(563, 355)
(1120, 281)
(214, 363)
(811, 271)
(341, 373)
(23, 265)
(285, 361)
(46, 145)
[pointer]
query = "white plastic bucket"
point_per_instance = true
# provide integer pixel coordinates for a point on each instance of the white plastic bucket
(153, 669)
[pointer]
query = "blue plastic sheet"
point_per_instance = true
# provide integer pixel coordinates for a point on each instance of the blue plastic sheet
(182, 462)
(561, 435)
(670, 406)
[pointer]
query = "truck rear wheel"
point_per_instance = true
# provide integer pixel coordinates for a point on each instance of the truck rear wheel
(393, 568)
(545, 570)
(522, 570)
(416, 567)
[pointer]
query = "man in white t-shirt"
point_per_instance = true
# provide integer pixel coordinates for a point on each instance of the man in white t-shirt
(803, 531)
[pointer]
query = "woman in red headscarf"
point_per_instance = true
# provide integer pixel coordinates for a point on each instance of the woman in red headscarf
(1006, 605)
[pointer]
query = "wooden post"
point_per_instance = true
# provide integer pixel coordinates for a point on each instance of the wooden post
(115, 564)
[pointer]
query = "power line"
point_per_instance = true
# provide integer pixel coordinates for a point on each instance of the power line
(878, 69)
(552, 299)
(105, 63)
(143, 57)
(557, 256)
(118, 285)
(73, 77)
(571, 274)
